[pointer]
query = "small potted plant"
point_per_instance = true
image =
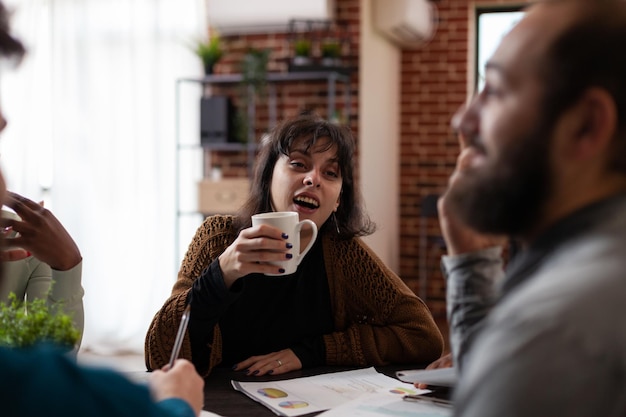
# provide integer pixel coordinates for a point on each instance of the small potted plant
(302, 52)
(331, 53)
(253, 84)
(27, 323)
(254, 68)
(210, 52)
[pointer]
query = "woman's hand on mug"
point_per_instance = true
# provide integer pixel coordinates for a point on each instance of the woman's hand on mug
(251, 252)
(271, 364)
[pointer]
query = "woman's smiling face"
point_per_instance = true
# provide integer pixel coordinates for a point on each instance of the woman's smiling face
(307, 181)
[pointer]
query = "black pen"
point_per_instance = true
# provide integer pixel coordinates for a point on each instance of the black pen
(432, 400)
(180, 335)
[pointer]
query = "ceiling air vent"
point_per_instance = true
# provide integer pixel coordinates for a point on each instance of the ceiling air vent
(405, 32)
(407, 23)
(255, 16)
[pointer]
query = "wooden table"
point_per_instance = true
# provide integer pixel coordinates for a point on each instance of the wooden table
(221, 398)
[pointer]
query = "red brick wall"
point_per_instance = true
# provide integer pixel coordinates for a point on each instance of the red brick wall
(434, 85)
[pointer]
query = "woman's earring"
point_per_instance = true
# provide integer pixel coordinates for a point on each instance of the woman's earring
(336, 223)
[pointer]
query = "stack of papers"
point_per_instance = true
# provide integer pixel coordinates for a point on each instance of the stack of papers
(363, 391)
(381, 405)
(442, 377)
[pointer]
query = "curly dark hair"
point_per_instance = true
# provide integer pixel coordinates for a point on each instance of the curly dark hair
(351, 218)
(9, 46)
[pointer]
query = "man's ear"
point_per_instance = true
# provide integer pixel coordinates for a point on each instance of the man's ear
(597, 123)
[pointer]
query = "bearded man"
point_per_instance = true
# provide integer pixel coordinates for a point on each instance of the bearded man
(543, 160)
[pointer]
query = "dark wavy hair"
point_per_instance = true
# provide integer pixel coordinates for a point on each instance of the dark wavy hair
(351, 218)
(9, 46)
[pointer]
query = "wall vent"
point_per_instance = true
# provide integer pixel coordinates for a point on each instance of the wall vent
(254, 16)
(407, 23)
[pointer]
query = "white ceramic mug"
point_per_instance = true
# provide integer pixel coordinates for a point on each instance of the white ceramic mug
(287, 221)
(9, 234)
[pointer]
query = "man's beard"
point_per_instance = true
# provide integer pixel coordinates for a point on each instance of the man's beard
(506, 196)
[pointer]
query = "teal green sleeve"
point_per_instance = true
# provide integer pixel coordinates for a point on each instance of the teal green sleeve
(43, 382)
(177, 407)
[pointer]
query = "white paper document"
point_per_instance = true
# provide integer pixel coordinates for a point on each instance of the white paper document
(381, 405)
(444, 377)
(294, 397)
(204, 413)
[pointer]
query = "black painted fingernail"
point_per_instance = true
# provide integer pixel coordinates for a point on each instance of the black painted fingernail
(285, 236)
(234, 367)
(270, 372)
(288, 256)
(255, 372)
(281, 270)
(289, 245)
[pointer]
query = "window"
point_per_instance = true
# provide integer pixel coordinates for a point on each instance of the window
(491, 25)
(91, 114)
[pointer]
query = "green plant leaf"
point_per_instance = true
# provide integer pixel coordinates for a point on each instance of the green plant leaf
(24, 324)
(302, 47)
(331, 49)
(209, 51)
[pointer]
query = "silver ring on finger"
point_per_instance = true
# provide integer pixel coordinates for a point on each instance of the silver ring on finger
(279, 362)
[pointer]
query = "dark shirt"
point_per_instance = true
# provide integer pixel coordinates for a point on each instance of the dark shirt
(263, 314)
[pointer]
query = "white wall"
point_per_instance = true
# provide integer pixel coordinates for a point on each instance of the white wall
(379, 135)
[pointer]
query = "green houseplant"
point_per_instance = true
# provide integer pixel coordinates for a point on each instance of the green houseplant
(210, 52)
(331, 52)
(254, 68)
(24, 324)
(302, 52)
(253, 82)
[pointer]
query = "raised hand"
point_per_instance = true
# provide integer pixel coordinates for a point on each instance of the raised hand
(251, 252)
(458, 236)
(41, 234)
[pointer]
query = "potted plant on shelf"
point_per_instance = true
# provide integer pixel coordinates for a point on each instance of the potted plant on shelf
(253, 82)
(254, 68)
(302, 52)
(210, 52)
(331, 53)
(27, 323)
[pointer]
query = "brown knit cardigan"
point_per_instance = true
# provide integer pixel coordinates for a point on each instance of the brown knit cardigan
(378, 319)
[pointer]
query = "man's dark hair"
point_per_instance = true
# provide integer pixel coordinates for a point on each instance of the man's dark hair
(590, 53)
(9, 46)
(350, 218)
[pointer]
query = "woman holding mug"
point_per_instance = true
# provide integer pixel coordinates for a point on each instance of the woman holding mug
(342, 306)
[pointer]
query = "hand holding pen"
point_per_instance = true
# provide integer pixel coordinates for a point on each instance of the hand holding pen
(178, 379)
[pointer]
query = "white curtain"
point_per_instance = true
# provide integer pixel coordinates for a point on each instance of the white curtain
(91, 115)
